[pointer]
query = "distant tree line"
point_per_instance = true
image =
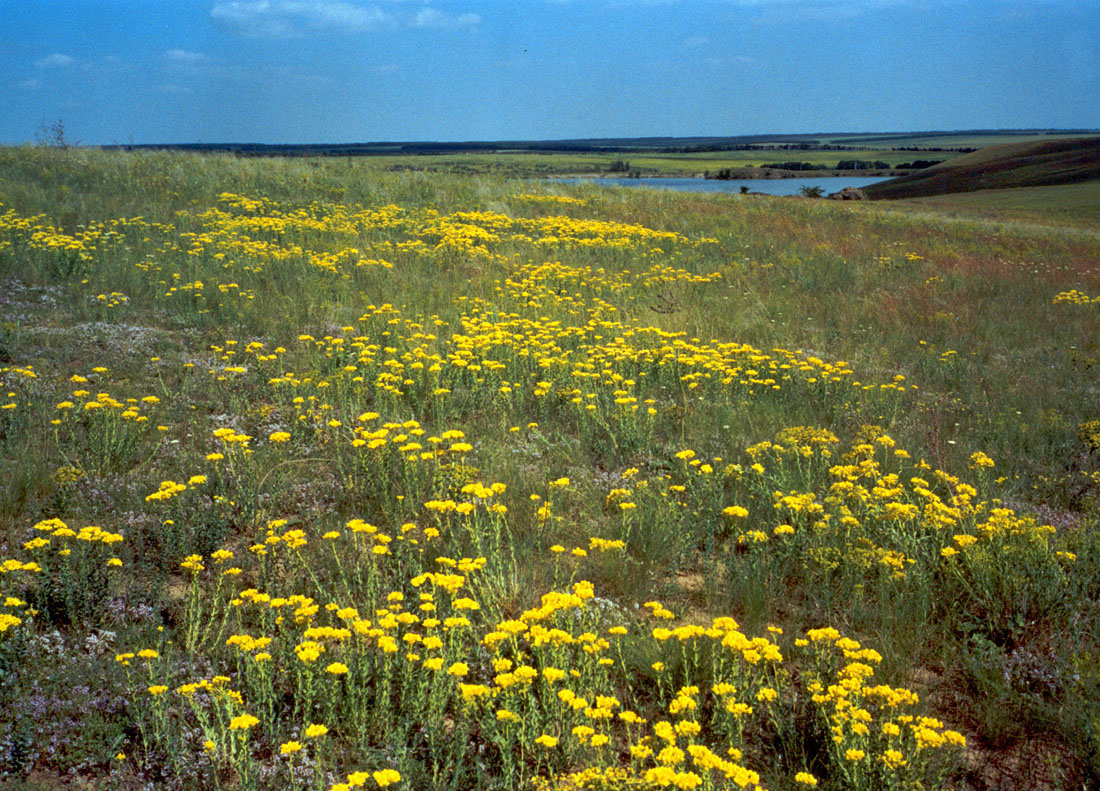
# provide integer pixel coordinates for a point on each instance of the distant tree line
(732, 174)
(918, 164)
(616, 146)
(796, 166)
(878, 164)
(620, 166)
(712, 147)
(862, 164)
(806, 146)
(934, 148)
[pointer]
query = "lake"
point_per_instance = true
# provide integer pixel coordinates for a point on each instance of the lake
(790, 186)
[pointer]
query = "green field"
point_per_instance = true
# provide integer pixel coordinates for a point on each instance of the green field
(352, 472)
(1073, 205)
(519, 164)
(949, 139)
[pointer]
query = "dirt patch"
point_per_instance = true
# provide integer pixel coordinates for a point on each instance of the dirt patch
(1039, 764)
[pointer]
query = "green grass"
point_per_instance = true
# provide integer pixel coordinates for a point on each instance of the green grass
(511, 308)
(1073, 205)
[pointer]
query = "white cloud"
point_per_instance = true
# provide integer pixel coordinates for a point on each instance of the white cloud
(297, 18)
(183, 56)
(55, 61)
(27, 85)
(292, 18)
(738, 62)
(433, 18)
(788, 11)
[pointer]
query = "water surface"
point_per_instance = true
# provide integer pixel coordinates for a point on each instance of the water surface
(790, 186)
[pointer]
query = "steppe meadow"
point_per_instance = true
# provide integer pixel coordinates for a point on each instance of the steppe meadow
(316, 474)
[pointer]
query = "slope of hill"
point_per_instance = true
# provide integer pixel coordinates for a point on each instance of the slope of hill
(1062, 205)
(999, 167)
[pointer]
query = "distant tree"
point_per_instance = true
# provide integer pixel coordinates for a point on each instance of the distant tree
(862, 164)
(918, 164)
(794, 166)
(53, 135)
(619, 166)
(806, 191)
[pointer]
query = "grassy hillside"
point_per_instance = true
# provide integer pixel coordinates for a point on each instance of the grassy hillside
(1003, 166)
(1071, 205)
(315, 474)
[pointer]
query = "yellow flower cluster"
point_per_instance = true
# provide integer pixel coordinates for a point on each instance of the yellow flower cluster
(420, 617)
(1075, 297)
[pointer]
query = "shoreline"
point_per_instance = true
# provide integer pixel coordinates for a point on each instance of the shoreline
(750, 174)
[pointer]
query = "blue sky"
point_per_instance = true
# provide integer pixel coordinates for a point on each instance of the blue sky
(285, 71)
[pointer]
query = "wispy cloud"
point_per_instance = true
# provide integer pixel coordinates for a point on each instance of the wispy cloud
(735, 62)
(27, 85)
(183, 56)
(55, 61)
(786, 11)
(293, 18)
(431, 17)
(298, 18)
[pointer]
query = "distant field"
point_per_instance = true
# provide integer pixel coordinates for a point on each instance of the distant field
(1075, 204)
(670, 164)
(652, 160)
(948, 139)
(661, 156)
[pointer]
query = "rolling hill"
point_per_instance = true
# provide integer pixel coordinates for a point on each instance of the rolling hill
(1031, 164)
